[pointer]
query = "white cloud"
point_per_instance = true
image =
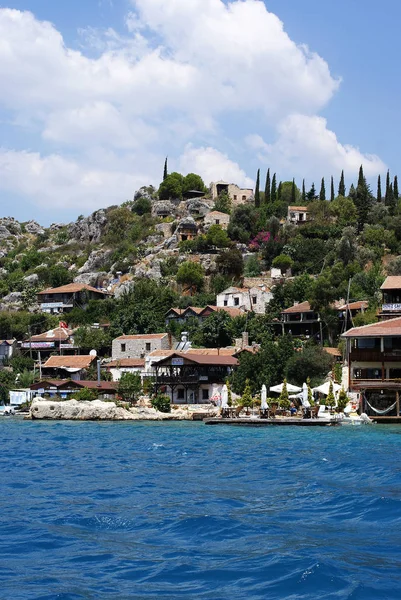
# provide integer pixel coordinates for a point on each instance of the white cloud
(307, 147)
(212, 165)
(181, 76)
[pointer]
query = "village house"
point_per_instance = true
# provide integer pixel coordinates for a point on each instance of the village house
(391, 298)
(374, 367)
(7, 349)
(193, 378)
(187, 230)
(139, 346)
(73, 367)
(65, 298)
(297, 215)
(58, 340)
(66, 388)
(124, 365)
(347, 312)
(253, 299)
(238, 195)
(217, 218)
(301, 321)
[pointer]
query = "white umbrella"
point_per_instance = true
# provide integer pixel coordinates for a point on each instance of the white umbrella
(224, 397)
(304, 397)
(325, 388)
(290, 388)
(263, 397)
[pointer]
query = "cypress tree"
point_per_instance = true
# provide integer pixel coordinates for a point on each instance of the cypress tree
(391, 201)
(332, 194)
(165, 172)
(280, 185)
(322, 195)
(361, 178)
(363, 200)
(273, 193)
(341, 187)
(257, 191)
(386, 197)
(267, 188)
(311, 195)
(303, 191)
(293, 196)
(379, 189)
(352, 192)
(395, 188)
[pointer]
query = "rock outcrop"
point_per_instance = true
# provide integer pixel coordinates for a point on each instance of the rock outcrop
(34, 228)
(89, 229)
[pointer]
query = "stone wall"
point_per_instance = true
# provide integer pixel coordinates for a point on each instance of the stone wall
(138, 347)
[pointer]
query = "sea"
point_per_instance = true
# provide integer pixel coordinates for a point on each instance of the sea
(114, 511)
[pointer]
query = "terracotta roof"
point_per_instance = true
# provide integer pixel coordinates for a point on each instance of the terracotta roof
(145, 336)
(69, 362)
(160, 353)
(298, 308)
(194, 309)
(392, 327)
(206, 360)
(102, 385)
(9, 342)
(251, 349)
(393, 282)
(354, 305)
(217, 213)
(211, 351)
(59, 333)
(126, 362)
(58, 383)
(332, 351)
(303, 208)
(71, 288)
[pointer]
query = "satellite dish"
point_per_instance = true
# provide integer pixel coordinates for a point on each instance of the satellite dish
(93, 353)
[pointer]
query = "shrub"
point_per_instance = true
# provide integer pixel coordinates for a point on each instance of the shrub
(86, 394)
(162, 403)
(284, 400)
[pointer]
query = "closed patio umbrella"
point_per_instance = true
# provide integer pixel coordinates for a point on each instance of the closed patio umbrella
(224, 397)
(304, 397)
(263, 397)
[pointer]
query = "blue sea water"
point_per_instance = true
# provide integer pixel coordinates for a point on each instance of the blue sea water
(116, 511)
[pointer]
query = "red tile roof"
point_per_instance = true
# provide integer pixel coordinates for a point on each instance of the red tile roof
(393, 282)
(126, 363)
(298, 308)
(211, 351)
(59, 333)
(69, 362)
(354, 305)
(392, 327)
(200, 359)
(145, 336)
(302, 208)
(71, 288)
(332, 351)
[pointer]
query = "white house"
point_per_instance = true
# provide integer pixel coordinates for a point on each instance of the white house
(297, 214)
(251, 299)
(124, 365)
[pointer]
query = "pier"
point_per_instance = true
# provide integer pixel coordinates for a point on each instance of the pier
(283, 421)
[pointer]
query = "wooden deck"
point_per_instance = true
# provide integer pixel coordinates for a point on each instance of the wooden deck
(275, 422)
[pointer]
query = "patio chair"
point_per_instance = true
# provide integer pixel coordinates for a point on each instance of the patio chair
(314, 411)
(238, 411)
(273, 410)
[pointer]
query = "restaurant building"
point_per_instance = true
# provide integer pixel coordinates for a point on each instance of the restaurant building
(65, 298)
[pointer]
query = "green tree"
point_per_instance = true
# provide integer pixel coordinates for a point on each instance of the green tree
(217, 330)
(342, 400)
(268, 188)
(330, 399)
(130, 387)
(283, 262)
(192, 181)
(257, 190)
(89, 338)
(218, 237)
(191, 274)
(252, 266)
(246, 398)
(322, 194)
(279, 191)
(85, 395)
(363, 200)
(332, 194)
(293, 193)
(171, 187)
(395, 189)
(312, 360)
(379, 190)
(142, 206)
(303, 192)
(223, 203)
(162, 403)
(311, 195)
(341, 187)
(284, 401)
(230, 263)
(243, 223)
(273, 194)
(165, 171)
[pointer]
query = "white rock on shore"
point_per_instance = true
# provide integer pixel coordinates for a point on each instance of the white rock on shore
(97, 410)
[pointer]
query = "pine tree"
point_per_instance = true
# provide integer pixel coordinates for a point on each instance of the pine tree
(273, 193)
(352, 192)
(332, 193)
(361, 178)
(246, 399)
(341, 187)
(303, 191)
(284, 400)
(257, 190)
(395, 188)
(268, 188)
(280, 186)
(311, 195)
(322, 194)
(293, 194)
(165, 173)
(379, 189)
(330, 399)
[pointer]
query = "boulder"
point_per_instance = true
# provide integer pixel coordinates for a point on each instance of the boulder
(34, 228)
(88, 229)
(93, 279)
(12, 226)
(32, 280)
(4, 232)
(165, 229)
(56, 226)
(163, 208)
(148, 192)
(96, 260)
(72, 410)
(12, 298)
(197, 207)
(124, 288)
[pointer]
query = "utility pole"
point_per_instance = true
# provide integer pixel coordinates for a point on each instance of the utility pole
(30, 341)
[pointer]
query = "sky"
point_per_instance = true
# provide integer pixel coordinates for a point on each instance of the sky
(94, 95)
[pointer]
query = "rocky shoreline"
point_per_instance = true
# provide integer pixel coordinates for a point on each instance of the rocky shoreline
(97, 410)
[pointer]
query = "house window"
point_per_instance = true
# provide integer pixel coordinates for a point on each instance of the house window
(148, 347)
(225, 302)
(123, 347)
(254, 299)
(235, 196)
(217, 221)
(236, 301)
(180, 394)
(244, 198)
(205, 394)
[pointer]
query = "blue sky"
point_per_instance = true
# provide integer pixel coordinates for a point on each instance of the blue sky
(96, 93)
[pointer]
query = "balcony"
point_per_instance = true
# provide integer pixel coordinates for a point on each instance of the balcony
(389, 355)
(395, 307)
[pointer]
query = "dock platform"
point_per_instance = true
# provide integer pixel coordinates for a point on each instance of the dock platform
(277, 422)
